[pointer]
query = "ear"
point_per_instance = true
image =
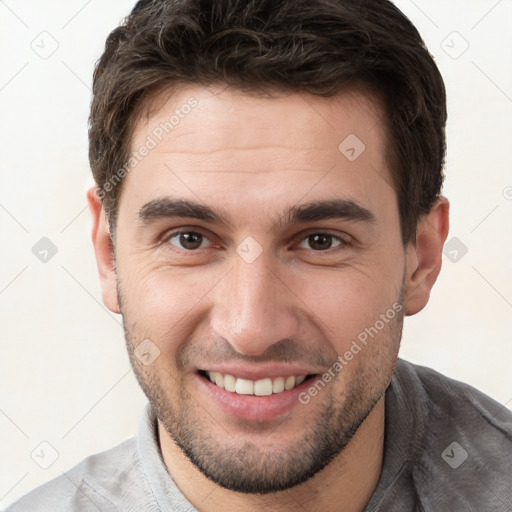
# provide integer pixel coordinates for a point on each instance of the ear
(104, 251)
(424, 258)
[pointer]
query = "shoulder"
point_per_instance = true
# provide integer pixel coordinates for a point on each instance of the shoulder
(464, 453)
(451, 399)
(87, 486)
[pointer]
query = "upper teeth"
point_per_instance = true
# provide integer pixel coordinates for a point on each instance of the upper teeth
(262, 387)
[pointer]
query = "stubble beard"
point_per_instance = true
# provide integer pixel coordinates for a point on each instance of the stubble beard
(248, 467)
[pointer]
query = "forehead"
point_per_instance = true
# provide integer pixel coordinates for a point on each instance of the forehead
(235, 118)
(226, 147)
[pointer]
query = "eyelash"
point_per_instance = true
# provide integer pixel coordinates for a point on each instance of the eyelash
(166, 239)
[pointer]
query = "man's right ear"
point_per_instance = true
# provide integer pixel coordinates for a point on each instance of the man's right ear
(104, 251)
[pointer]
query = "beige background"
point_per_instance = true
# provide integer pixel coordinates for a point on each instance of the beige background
(65, 377)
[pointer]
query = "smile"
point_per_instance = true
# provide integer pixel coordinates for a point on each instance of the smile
(261, 387)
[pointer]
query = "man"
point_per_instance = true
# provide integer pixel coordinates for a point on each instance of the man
(267, 210)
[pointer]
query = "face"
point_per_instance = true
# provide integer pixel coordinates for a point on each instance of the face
(251, 250)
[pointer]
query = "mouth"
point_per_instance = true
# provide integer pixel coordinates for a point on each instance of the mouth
(257, 395)
(262, 387)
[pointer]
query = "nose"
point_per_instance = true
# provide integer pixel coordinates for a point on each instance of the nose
(254, 308)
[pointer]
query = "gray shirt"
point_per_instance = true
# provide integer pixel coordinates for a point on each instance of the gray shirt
(448, 448)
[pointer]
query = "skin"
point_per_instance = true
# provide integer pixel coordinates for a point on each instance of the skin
(296, 304)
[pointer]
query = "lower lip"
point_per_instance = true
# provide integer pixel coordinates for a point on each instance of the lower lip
(254, 408)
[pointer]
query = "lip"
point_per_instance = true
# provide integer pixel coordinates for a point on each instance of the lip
(262, 372)
(253, 408)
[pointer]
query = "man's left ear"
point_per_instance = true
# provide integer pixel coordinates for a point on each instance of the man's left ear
(424, 259)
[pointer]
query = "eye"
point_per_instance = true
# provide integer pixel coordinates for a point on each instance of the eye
(191, 241)
(188, 240)
(322, 241)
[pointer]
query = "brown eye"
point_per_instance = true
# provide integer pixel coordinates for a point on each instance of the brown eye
(188, 240)
(322, 241)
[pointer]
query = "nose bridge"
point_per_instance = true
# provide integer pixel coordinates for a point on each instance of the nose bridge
(253, 308)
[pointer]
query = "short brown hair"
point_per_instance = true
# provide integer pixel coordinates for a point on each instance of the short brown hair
(315, 46)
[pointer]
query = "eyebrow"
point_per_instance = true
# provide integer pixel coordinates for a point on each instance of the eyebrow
(168, 208)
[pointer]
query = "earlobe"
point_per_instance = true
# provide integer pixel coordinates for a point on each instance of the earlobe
(425, 257)
(104, 251)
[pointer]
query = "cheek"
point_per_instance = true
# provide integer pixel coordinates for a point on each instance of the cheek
(162, 303)
(351, 301)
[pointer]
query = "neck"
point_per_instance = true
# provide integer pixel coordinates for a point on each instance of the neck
(351, 478)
